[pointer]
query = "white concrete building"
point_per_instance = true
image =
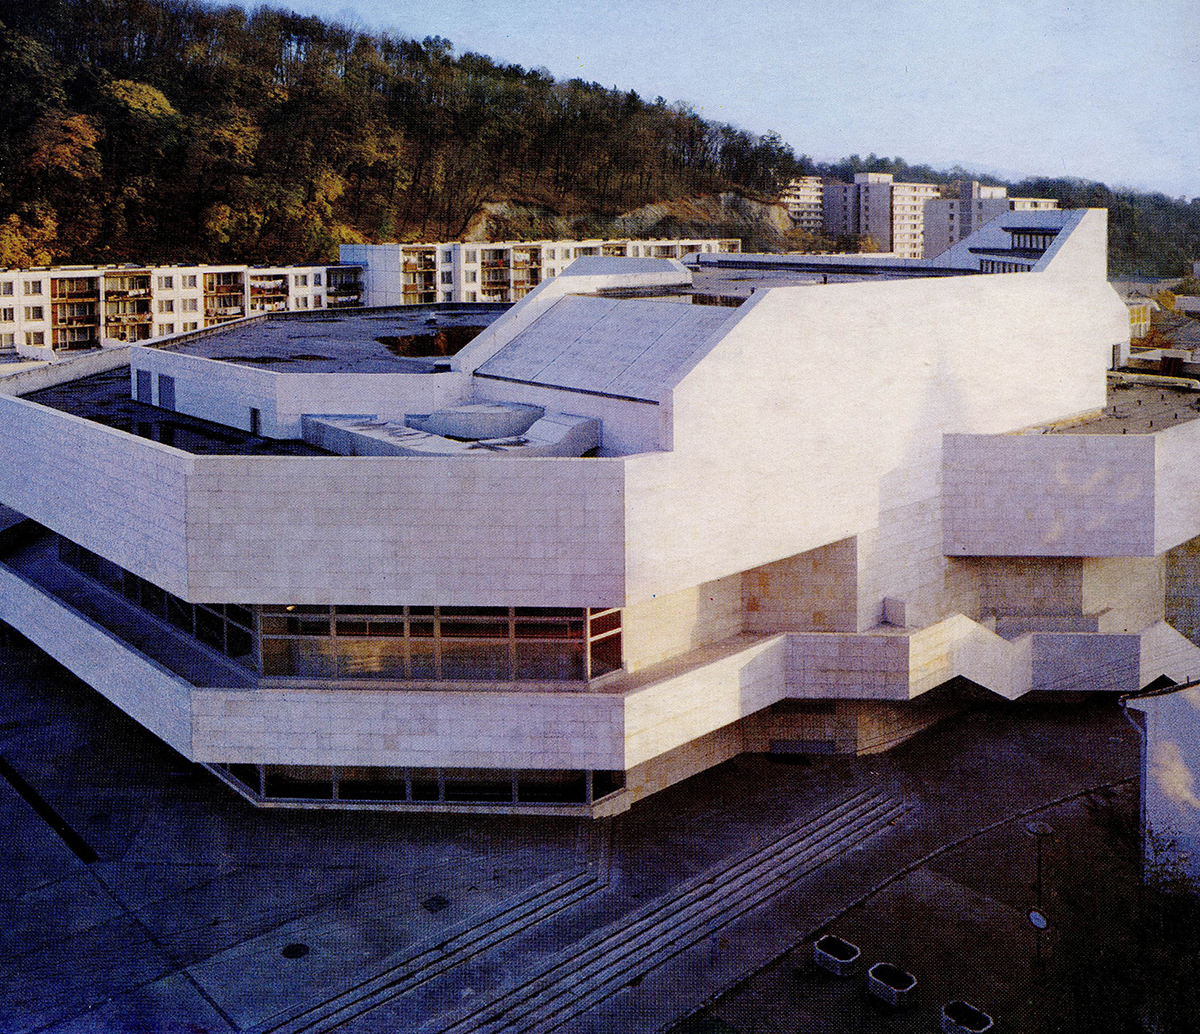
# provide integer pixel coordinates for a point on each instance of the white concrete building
(615, 539)
(956, 215)
(500, 271)
(804, 199)
(48, 311)
(910, 220)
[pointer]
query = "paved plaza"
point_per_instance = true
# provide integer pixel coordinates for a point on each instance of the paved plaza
(142, 895)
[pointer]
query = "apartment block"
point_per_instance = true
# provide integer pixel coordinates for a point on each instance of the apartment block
(804, 199)
(910, 220)
(58, 309)
(964, 208)
(501, 272)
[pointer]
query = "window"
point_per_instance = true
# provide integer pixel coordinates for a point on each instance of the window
(189, 280)
(316, 279)
(34, 312)
(447, 276)
(166, 283)
(302, 302)
(8, 341)
(316, 301)
(33, 287)
(6, 288)
(550, 253)
(190, 326)
(468, 256)
(447, 296)
(301, 279)
(34, 337)
(189, 305)
(7, 315)
(166, 305)
(447, 256)
(470, 296)
(470, 276)
(166, 328)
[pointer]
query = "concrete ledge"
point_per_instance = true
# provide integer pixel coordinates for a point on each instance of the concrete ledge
(146, 692)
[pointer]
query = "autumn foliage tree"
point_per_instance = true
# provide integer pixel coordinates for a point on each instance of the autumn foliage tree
(170, 130)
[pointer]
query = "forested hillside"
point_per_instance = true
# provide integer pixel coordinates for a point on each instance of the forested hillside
(167, 130)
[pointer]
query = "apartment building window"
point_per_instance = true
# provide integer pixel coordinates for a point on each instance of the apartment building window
(447, 296)
(468, 256)
(301, 280)
(447, 276)
(189, 305)
(7, 315)
(166, 328)
(8, 341)
(316, 301)
(190, 326)
(33, 287)
(166, 305)
(447, 256)
(316, 279)
(302, 302)
(550, 253)
(470, 276)
(6, 288)
(166, 283)
(469, 296)
(35, 337)
(189, 280)
(34, 312)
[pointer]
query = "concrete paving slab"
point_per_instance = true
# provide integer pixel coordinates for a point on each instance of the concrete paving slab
(171, 1005)
(51, 913)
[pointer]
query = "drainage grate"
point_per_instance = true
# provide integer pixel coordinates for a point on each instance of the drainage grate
(435, 903)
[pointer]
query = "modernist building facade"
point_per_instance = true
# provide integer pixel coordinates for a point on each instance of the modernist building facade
(54, 309)
(498, 272)
(910, 220)
(617, 538)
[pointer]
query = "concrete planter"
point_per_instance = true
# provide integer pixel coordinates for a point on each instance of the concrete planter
(891, 985)
(962, 1018)
(836, 956)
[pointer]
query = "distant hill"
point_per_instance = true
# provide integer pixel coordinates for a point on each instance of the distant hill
(163, 130)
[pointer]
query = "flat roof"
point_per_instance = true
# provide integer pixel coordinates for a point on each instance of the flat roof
(105, 398)
(333, 340)
(1136, 409)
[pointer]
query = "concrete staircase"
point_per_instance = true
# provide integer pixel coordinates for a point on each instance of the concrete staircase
(588, 971)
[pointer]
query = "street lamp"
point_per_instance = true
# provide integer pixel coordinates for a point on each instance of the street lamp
(1039, 831)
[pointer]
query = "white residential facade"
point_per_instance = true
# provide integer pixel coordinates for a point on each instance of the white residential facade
(48, 311)
(909, 220)
(499, 272)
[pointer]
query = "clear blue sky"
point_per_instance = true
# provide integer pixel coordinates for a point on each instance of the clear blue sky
(1103, 89)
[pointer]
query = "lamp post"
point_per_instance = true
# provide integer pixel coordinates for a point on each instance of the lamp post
(1039, 831)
